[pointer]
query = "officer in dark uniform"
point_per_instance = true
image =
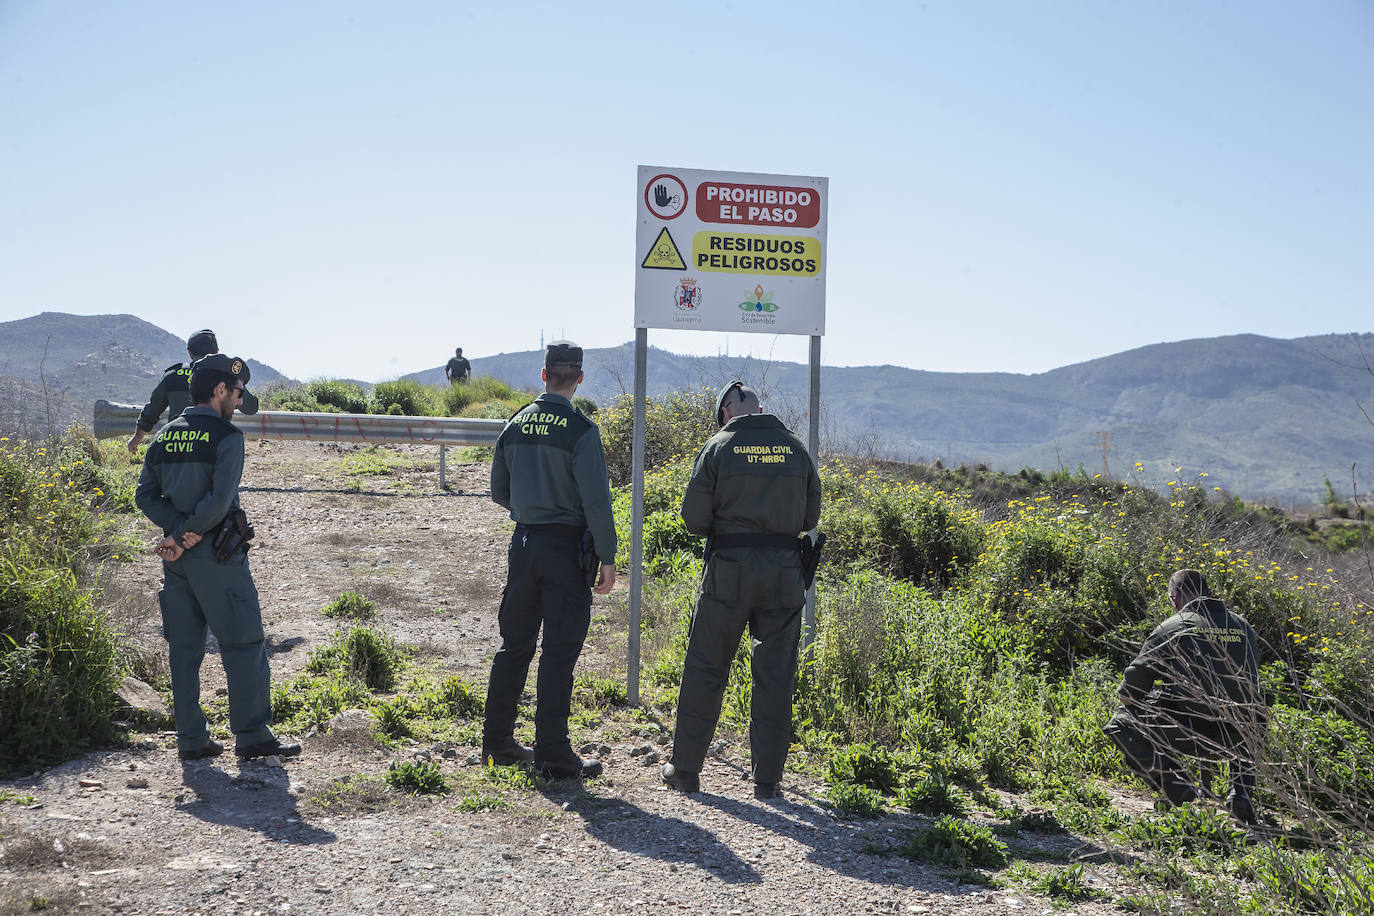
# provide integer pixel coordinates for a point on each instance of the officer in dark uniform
(174, 389)
(549, 470)
(1193, 690)
(189, 487)
(754, 488)
(458, 368)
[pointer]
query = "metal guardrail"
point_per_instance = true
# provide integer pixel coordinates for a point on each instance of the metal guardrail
(118, 420)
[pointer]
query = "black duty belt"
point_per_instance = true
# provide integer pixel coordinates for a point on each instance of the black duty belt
(555, 529)
(781, 541)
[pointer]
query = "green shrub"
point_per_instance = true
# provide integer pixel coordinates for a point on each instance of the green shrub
(866, 765)
(676, 426)
(485, 397)
(908, 531)
(1064, 883)
(59, 657)
(287, 396)
(367, 655)
(955, 842)
(351, 606)
(464, 702)
(393, 718)
(859, 801)
(417, 778)
(1327, 764)
(338, 396)
(308, 701)
(1187, 829)
(601, 691)
(933, 796)
(406, 397)
(1318, 882)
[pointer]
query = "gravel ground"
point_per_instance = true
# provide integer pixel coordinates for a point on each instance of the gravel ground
(134, 831)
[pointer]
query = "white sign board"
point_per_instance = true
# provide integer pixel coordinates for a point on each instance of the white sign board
(730, 251)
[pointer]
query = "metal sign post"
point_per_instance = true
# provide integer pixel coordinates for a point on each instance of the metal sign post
(723, 251)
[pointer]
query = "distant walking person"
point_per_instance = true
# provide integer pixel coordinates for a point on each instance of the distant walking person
(1193, 690)
(549, 470)
(189, 487)
(754, 489)
(174, 389)
(458, 370)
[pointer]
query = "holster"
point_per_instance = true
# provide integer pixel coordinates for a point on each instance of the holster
(587, 560)
(232, 533)
(811, 557)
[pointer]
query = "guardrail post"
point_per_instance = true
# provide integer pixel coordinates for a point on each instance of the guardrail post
(443, 453)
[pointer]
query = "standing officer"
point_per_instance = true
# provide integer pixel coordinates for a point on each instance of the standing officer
(1194, 690)
(458, 369)
(174, 389)
(190, 488)
(549, 470)
(754, 488)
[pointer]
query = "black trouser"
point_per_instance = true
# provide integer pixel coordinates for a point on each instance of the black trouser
(544, 587)
(1152, 742)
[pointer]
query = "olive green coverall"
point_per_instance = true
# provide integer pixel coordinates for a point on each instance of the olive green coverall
(1193, 690)
(754, 477)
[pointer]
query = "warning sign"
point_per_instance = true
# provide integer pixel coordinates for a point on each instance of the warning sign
(663, 254)
(769, 255)
(746, 251)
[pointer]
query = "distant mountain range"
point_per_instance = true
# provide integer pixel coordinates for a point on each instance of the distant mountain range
(1263, 418)
(1266, 419)
(54, 366)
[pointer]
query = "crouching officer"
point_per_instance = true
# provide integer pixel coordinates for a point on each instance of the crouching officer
(754, 488)
(549, 470)
(1193, 690)
(173, 390)
(189, 487)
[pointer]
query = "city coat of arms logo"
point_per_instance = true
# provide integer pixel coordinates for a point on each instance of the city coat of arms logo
(687, 295)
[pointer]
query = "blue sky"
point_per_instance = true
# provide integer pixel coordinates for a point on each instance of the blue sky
(352, 189)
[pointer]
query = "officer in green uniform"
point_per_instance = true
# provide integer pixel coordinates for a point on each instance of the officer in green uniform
(1193, 690)
(754, 489)
(189, 486)
(174, 389)
(458, 369)
(549, 470)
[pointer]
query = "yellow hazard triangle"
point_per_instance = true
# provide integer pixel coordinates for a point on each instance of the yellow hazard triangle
(663, 253)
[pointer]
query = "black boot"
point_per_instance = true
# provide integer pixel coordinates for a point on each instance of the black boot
(506, 752)
(681, 780)
(1241, 808)
(567, 765)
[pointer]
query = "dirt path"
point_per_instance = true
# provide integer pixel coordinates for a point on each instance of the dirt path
(133, 831)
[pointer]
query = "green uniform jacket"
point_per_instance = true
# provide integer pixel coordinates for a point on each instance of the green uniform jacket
(174, 391)
(549, 468)
(754, 476)
(458, 368)
(190, 477)
(1199, 657)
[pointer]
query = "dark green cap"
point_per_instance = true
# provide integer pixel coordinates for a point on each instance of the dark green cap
(563, 353)
(202, 342)
(228, 365)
